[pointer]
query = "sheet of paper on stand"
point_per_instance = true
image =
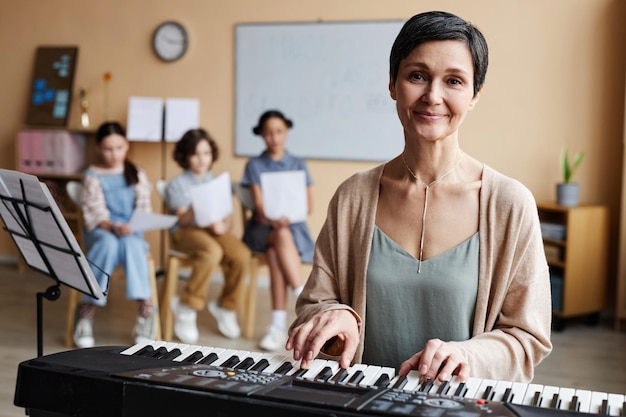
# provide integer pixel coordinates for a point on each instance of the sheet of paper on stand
(212, 201)
(141, 221)
(285, 195)
(181, 114)
(145, 119)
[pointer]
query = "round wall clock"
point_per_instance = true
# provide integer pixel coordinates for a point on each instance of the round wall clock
(170, 41)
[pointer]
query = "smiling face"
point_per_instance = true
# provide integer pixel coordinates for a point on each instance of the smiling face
(434, 89)
(113, 149)
(201, 160)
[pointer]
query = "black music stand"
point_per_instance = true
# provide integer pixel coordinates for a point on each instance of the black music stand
(43, 237)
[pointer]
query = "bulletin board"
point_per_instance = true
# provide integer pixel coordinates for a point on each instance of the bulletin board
(51, 87)
(330, 78)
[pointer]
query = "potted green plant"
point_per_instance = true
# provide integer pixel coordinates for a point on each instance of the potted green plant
(567, 191)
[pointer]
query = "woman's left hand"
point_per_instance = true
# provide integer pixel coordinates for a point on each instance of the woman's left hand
(438, 360)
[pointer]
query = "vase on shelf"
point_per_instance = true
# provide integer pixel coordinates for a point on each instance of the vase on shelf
(567, 194)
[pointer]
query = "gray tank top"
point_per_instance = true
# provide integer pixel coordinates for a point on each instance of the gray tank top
(405, 309)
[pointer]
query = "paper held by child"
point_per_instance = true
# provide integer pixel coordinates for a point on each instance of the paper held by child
(213, 200)
(284, 195)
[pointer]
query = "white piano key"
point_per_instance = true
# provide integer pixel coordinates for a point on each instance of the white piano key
(566, 395)
(370, 373)
(485, 384)
(499, 390)
(334, 368)
(353, 370)
(255, 356)
(186, 351)
(453, 384)
(390, 372)
(213, 351)
(276, 360)
(169, 346)
(155, 344)
(584, 400)
(531, 393)
(314, 367)
(472, 384)
(616, 404)
(595, 404)
(412, 381)
(547, 395)
(518, 389)
(206, 350)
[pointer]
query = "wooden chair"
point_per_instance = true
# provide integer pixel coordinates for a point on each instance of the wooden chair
(176, 262)
(73, 189)
(244, 195)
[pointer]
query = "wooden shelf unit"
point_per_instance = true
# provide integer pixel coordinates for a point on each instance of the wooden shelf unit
(583, 259)
(56, 182)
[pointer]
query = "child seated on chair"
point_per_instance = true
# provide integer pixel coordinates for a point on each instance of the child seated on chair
(113, 188)
(208, 247)
(285, 244)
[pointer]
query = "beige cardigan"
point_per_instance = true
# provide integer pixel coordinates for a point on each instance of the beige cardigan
(511, 333)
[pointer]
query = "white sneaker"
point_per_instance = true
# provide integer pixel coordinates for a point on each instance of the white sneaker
(185, 326)
(274, 339)
(83, 333)
(145, 328)
(226, 320)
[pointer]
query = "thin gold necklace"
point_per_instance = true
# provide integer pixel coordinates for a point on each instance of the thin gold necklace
(426, 189)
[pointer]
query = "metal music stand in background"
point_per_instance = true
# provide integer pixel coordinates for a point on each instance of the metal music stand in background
(43, 237)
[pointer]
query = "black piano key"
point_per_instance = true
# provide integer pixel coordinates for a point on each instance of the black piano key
(172, 354)
(145, 351)
(260, 365)
(488, 394)
(357, 377)
(508, 396)
(401, 382)
(245, 364)
(230, 362)
(340, 376)
(159, 353)
(575, 404)
(195, 356)
(556, 401)
(284, 368)
(324, 374)
(536, 401)
(209, 359)
(604, 408)
(461, 390)
(426, 386)
(300, 372)
(444, 388)
(382, 381)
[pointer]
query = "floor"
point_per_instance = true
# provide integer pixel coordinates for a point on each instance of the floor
(590, 357)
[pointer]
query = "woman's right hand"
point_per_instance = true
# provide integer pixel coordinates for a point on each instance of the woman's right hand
(336, 331)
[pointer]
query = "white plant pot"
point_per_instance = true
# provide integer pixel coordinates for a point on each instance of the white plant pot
(568, 194)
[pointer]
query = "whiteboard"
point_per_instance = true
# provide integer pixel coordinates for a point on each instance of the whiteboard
(330, 78)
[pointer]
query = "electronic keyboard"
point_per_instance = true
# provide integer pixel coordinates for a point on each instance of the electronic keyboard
(160, 379)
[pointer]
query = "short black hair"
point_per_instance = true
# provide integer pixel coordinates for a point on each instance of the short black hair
(268, 115)
(440, 26)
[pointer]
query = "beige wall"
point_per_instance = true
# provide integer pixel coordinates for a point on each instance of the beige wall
(556, 76)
